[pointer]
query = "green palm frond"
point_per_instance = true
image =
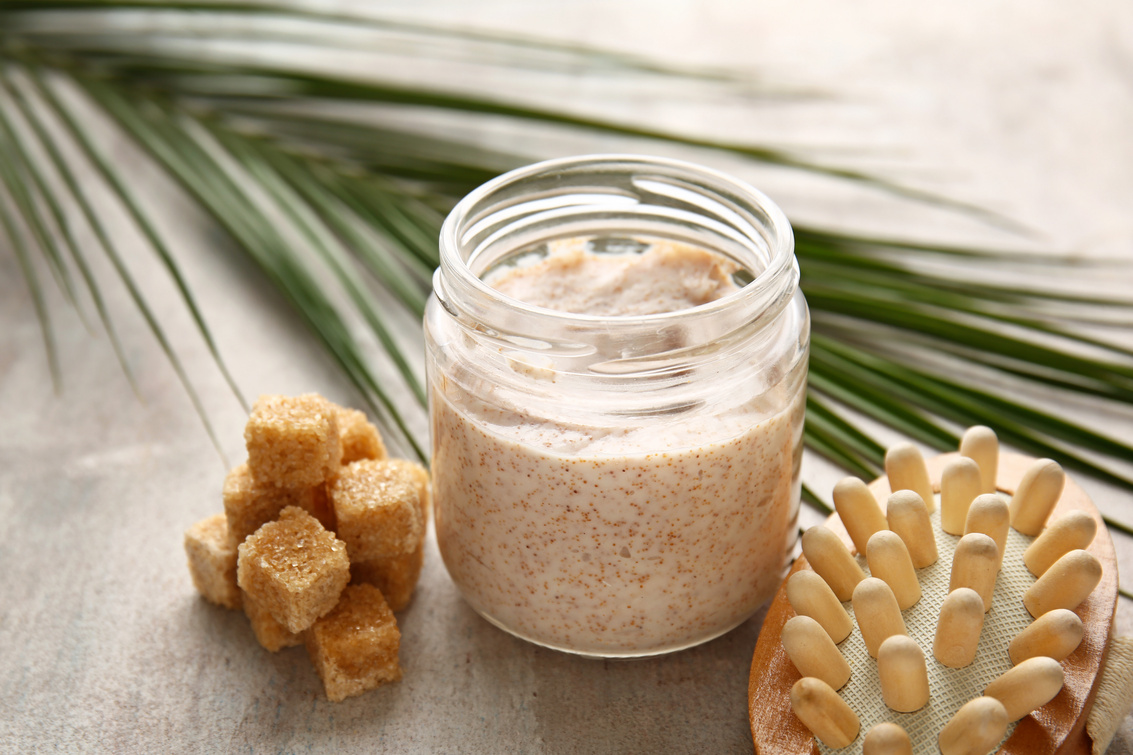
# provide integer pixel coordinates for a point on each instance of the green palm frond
(316, 175)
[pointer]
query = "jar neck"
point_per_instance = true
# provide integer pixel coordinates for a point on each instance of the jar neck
(615, 197)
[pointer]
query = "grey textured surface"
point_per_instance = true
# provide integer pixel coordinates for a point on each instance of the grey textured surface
(104, 646)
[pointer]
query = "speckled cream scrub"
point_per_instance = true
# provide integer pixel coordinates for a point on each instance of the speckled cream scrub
(617, 365)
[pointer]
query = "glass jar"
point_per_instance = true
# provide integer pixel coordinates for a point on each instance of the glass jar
(627, 485)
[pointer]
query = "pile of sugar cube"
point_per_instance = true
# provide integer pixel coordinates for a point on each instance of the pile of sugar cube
(321, 540)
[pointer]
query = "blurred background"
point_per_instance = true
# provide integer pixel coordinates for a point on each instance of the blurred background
(1017, 114)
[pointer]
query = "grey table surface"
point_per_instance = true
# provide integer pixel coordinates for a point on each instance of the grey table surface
(1023, 106)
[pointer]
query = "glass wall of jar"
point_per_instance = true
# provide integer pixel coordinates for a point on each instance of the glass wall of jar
(616, 481)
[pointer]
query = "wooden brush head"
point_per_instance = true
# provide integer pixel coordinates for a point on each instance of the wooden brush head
(1057, 727)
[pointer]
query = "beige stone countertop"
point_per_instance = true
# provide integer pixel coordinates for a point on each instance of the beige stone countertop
(1025, 106)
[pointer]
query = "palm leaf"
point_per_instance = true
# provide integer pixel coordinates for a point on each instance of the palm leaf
(336, 200)
(16, 242)
(17, 153)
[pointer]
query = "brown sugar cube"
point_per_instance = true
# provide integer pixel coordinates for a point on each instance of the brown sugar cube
(354, 647)
(413, 472)
(395, 576)
(316, 502)
(406, 471)
(360, 439)
(378, 511)
(293, 441)
(250, 504)
(212, 561)
(293, 568)
(272, 635)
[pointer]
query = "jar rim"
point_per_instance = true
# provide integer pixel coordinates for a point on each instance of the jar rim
(779, 273)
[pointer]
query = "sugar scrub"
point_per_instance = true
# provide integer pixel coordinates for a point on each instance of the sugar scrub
(607, 551)
(616, 429)
(664, 277)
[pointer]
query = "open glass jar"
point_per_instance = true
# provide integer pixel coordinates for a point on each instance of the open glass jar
(626, 485)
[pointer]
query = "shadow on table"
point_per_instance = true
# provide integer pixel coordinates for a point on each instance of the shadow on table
(692, 701)
(471, 688)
